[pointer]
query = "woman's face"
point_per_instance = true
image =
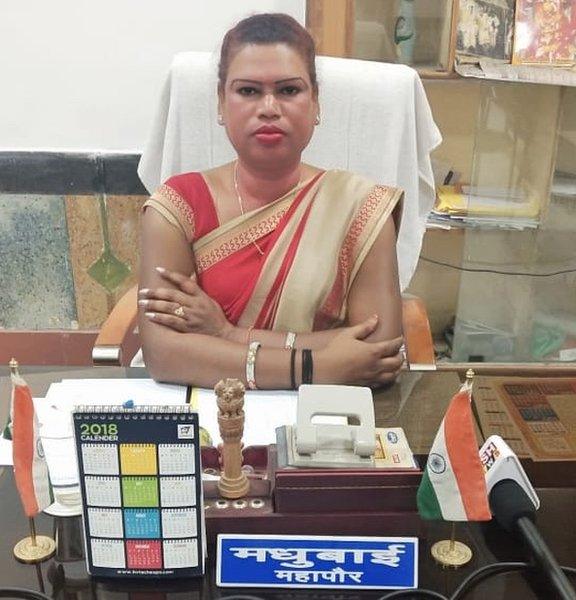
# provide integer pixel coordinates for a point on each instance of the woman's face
(268, 104)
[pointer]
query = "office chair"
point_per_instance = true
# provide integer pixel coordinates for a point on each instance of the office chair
(376, 121)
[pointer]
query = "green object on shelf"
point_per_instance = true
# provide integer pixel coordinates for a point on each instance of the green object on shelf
(404, 32)
(545, 340)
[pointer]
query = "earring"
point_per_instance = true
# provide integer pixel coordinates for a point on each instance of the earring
(317, 120)
(220, 120)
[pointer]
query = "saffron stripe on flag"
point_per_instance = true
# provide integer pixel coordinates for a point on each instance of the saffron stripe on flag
(468, 471)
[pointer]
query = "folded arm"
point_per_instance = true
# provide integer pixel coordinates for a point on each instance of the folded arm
(374, 291)
(202, 358)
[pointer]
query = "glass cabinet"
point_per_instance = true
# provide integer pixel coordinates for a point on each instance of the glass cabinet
(517, 293)
(498, 264)
(498, 267)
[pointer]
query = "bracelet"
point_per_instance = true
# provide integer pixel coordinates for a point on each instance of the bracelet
(248, 332)
(307, 366)
(251, 365)
(290, 340)
(293, 368)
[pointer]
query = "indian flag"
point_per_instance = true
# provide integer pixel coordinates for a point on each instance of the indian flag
(30, 469)
(453, 487)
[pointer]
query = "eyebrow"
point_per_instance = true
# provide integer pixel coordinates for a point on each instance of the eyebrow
(276, 82)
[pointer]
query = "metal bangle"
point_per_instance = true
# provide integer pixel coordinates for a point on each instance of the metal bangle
(290, 340)
(251, 365)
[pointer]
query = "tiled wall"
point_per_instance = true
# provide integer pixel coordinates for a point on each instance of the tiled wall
(68, 237)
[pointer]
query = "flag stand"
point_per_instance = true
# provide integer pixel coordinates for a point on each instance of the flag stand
(451, 553)
(35, 548)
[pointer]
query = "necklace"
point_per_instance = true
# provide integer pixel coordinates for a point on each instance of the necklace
(240, 204)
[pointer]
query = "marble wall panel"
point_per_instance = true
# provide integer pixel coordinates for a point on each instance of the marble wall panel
(104, 238)
(86, 246)
(69, 225)
(36, 283)
(123, 219)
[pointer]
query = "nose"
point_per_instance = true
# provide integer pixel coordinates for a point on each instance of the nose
(269, 107)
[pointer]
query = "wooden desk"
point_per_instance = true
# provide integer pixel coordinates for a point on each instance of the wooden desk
(418, 408)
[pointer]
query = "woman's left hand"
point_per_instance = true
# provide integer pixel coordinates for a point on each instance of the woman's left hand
(187, 309)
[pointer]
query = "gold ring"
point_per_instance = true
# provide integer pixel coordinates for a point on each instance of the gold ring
(179, 312)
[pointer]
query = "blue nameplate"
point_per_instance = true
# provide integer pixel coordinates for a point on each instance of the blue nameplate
(317, 561)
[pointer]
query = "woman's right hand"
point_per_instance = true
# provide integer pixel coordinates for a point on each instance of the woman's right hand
(348, 359)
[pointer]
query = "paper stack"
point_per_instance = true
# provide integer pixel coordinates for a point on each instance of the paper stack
(264, 412)
(479, 206)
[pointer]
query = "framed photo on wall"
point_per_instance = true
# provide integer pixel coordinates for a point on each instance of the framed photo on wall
(485, 29)
(545, 32)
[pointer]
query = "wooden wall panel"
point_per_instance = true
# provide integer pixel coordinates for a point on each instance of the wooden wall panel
(331, 23)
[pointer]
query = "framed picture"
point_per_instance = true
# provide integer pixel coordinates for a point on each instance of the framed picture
(485, 29)
(545, 32)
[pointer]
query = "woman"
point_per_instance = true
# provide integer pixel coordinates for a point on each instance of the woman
(267, 269)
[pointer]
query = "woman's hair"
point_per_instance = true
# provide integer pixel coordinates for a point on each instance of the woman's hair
(263, 29)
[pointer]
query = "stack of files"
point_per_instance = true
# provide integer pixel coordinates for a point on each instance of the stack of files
(475, 340)
(265, 410)
(490, 207)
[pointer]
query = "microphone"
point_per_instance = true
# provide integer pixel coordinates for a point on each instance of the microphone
(500, 462)
(513, 503)
(515, 512)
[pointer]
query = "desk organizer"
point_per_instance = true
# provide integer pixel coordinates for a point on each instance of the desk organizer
(312, 501)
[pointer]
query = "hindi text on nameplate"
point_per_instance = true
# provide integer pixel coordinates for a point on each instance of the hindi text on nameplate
(317, 561)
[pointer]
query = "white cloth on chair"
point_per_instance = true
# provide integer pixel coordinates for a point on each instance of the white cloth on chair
(376, 121)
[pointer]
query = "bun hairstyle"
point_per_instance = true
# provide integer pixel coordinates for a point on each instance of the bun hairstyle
(266, 29)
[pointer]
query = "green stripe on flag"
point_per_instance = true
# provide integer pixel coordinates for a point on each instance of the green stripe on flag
(428, 505)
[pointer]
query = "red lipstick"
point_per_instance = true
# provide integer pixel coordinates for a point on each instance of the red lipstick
(269, 134)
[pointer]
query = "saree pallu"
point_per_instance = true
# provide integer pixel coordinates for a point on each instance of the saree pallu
(314, 242)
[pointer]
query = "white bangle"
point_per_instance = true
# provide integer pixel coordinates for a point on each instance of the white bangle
(251, 364)
(290, 340)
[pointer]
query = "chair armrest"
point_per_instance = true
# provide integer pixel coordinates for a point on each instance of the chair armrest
(117, 339)
(417, 335)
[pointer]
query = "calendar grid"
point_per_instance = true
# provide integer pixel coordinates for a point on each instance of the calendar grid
(141, 490)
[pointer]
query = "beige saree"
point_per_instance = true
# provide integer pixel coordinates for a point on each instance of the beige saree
(314, 241)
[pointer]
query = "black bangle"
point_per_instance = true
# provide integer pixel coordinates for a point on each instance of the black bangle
(307, 366)
(293, 368)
